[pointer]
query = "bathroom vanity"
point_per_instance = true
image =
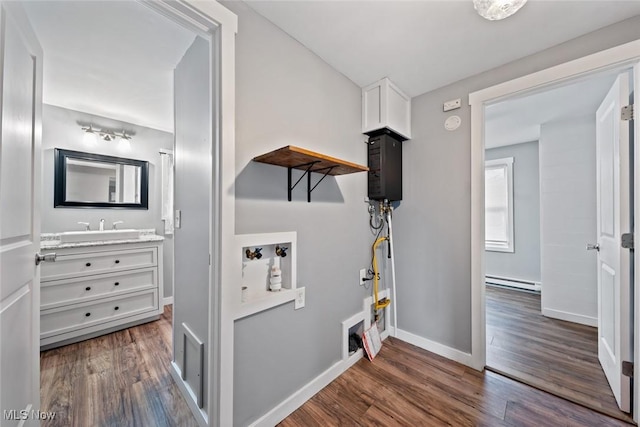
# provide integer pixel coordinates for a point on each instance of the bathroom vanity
(98, 286)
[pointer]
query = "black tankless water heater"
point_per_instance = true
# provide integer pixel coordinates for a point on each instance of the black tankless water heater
(385, 167)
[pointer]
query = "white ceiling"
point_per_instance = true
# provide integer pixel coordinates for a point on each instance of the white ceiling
(109, 58)
(116, 58)
(424, 45)
(518, 120)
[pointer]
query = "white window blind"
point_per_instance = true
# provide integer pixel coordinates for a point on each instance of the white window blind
(499, 205)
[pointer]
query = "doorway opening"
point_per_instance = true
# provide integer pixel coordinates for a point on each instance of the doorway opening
(544, 307)
(109, 67)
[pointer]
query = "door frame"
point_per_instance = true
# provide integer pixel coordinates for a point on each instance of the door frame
(625, 56)
(218, 24)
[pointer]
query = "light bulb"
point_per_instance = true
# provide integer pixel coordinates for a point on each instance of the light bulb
(90, 139)
(494, 10)
(124, 144)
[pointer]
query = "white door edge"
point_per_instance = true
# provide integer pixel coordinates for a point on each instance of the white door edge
(613, 219)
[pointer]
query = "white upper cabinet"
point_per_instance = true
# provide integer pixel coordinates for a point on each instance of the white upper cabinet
(384, 105)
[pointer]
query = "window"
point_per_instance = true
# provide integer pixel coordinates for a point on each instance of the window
(498, 204)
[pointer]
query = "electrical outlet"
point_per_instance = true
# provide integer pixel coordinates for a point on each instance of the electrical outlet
(300, 297)
(363, 276)
(177, 222)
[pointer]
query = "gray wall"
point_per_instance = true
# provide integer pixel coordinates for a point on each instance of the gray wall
(568, 199)
(524, 262)
(287, 95)
(60, 129)
(432, 226)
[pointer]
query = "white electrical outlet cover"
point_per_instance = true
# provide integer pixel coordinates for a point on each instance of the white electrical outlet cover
(362, 277)
(452, 123)
(300, 299)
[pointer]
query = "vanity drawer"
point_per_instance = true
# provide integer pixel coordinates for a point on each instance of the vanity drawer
(70, 265)
(79, 289)
(65, 319)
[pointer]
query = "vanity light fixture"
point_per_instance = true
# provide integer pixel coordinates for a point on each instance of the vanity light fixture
(494, 10)
(91, 136)
(124, 144)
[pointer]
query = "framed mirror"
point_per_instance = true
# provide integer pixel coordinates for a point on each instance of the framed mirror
(87, 180)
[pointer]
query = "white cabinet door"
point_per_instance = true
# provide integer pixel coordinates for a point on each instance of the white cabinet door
(21, 94)
(384, 105)
(614, 314)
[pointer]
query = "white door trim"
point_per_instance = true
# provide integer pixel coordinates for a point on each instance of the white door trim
(212, 19)
(619, 57)
(635, 405)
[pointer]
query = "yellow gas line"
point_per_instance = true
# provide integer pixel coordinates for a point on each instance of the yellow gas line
(377, 305)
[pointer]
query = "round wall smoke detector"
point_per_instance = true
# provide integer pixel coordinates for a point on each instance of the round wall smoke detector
(452, 123)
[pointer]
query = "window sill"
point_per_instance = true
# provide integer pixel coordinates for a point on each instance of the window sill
(499, 249)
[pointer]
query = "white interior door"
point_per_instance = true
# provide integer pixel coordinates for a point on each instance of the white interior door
(21, 94)
(614, 314)
(193, 180)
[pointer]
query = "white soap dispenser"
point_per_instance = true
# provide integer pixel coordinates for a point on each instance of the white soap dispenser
(275, 280)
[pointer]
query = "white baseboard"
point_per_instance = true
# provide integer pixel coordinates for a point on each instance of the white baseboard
(200, 416)
(297, 399)
(570, 317)
(167, 301)
(435, 347)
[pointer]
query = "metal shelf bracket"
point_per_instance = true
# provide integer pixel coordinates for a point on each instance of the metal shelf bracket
(307, 172)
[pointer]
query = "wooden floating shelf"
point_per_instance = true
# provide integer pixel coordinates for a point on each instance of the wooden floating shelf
(300, 158)
(292, 157)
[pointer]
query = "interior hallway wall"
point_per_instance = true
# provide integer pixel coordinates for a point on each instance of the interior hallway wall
(568, 219)
(432, 226)
(288, 95)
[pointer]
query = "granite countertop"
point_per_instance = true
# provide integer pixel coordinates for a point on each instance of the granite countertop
(52, 240)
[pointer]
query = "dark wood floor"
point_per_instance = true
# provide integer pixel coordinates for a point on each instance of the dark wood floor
(553, 355)
(120, 379)
(408, 386)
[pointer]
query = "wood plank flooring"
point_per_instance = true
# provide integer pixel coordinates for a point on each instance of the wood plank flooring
(120, 379)
(408, 386)
(553, 355)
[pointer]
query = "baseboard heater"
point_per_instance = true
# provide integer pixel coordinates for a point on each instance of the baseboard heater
(513, 283)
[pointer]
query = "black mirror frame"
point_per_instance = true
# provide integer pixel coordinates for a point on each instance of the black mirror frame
(60, 180)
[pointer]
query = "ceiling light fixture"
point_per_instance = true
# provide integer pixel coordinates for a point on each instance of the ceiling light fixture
(494, 10)
(91, 134)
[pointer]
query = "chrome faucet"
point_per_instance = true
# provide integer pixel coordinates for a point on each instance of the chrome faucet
(102, 225)
(115, 223)
(87, 227)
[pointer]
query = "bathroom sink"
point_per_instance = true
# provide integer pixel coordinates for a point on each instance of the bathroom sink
(98, 236)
